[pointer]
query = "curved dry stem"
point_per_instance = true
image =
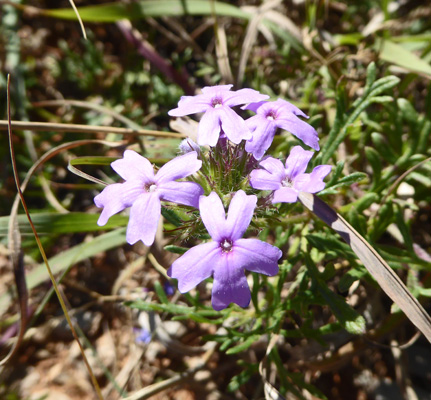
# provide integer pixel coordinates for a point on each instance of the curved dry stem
(50, 126)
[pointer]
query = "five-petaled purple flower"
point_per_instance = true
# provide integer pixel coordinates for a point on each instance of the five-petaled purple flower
(143, 190)
(288, 182)
(228, 255)
(216, 102)
(271, 115)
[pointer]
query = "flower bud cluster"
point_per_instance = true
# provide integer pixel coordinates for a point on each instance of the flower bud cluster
(215, 181)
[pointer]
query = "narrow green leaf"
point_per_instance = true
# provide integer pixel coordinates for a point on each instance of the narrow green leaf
(374, 159)
(175, 249)
(52, 223)
(113, 12)
(350, 319)
(69, 257)
(244, 345)
(398, 55)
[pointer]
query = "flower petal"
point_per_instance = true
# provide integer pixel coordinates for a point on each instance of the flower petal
(216, 90)
(263, 180)
(312, 183)
(230, 284)
(144, 218)
(297, 161)
(239, 215)
(243, 96)
(209, 128)
(233, 125)
(194, 266)
(186, 193)
(257, 256)
(213, 215)
(285, 195)
(134, 166)
(191, 105)
(254, 106)
(261, 138)
(284, 108)
(115, 198)
(301, 129)
(274, 166)
(178, 168)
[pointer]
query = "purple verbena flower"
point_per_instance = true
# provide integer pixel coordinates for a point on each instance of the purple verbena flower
(271, 115)
(168, 288)
(228, 255)
(287, 181)
(143, 190)
(216, 103)
(142, 335)
(187, 145)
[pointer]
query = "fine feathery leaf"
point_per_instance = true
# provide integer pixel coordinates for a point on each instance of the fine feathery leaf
(388, 280)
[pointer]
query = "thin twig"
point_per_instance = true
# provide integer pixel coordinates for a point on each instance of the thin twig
(51, 126)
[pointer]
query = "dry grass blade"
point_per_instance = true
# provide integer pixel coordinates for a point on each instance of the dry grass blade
(82, 174)
(271, 393)
(247, 44)
(16, 256)
(79, 19)
(91, 106)
(388, 280)
(222, 53)
(50, 126)
(42, 251)
(158, 387)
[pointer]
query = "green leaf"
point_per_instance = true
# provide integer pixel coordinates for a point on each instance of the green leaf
(160, 292)
(350, 277)
(345, 119)
(113, 12)
(244, 345)
(376, 164)
(65, 259)
(346, 315)
(51, 223)
(383, 148)
(171, 216)
(345, 181)
(175, 249)
(398, 55)
(330, 243)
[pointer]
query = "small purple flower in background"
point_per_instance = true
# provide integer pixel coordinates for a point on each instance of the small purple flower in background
(288, 182)
(228, 255)
(188, 145)
(142, 335)
(216, 103)
(271, 115)
(168, 288)
(143, 190)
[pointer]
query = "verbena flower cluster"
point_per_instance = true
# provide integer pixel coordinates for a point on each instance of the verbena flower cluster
(227, 177)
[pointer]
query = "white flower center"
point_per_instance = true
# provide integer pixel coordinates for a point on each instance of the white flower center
(226, 245)
(216, 102)
(287, 182)
(270, 115)
(150, 188)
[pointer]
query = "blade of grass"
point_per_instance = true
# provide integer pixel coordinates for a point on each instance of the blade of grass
(17, 260)
(45, 259)
(50, 126)
(81, 24)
